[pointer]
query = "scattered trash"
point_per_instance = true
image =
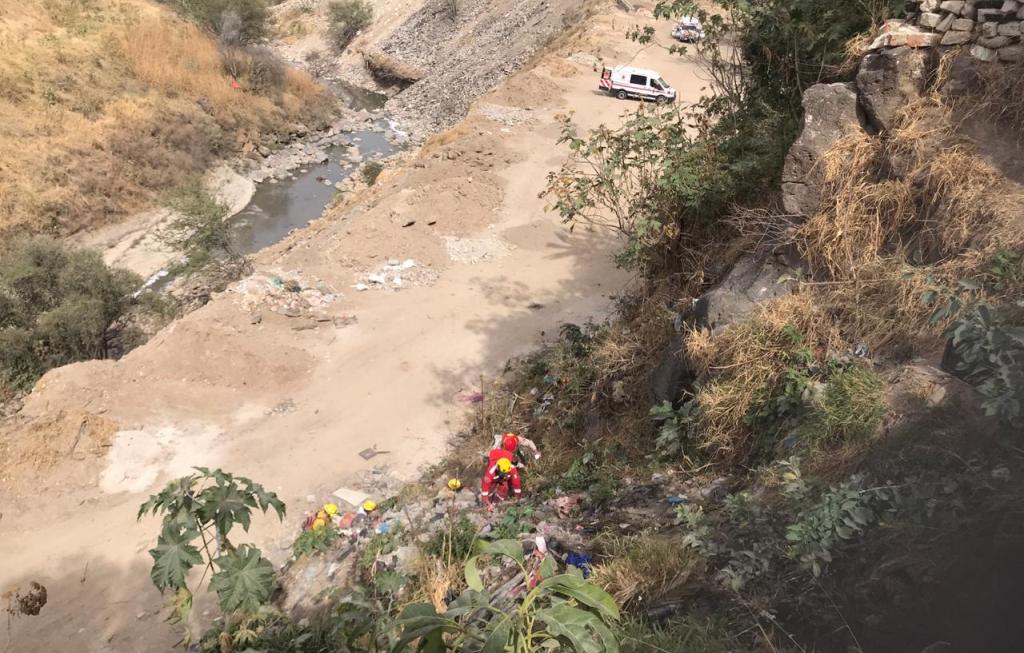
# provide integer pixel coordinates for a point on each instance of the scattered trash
(367, 454)
(385, 276)
(860, 351)
(409, 223)
(291, 294)
(1001, 473)
(581, 561)
(565, 504)
(677, 500)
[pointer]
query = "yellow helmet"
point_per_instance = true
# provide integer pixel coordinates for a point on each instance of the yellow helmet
(454, 484)
(369, 505)
(319, 524)
(320, 514)
(504, 465)
(331, 508)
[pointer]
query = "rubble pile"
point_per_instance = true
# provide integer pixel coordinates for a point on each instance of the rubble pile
(990, 29)
(287, 293)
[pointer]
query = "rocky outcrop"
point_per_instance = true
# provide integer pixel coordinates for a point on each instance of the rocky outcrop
(890, 79)
(754, 280)
(830, 113)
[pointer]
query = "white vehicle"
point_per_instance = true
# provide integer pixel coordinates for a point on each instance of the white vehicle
(626, 81)
(688, 30)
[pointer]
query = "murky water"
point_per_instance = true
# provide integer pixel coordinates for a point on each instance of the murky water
(278, 208)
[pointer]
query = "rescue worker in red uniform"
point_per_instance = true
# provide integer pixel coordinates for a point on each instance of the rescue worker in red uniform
(515, 444)
(500, 477)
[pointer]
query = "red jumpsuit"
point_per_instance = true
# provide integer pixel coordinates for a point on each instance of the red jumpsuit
(496, 483)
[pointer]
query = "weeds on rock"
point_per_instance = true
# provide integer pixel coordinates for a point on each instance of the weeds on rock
(370, 171)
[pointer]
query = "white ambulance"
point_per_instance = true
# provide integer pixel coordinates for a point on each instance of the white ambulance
(626, 81)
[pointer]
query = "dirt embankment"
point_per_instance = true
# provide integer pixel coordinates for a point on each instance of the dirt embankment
(286, 387)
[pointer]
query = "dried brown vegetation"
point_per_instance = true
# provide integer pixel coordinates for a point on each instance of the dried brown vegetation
(105, 103)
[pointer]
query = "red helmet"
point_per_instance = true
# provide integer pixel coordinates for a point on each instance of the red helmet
(510, 442)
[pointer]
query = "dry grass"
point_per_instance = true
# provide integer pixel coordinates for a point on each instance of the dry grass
(919, 203)
(435, 581)
(744, 359)
(648, 570)
(105, 103)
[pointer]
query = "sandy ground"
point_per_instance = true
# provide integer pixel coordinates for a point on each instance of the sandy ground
(290, 401)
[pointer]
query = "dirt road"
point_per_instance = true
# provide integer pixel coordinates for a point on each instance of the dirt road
(290, 401)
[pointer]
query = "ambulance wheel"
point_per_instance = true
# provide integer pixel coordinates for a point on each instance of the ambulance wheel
(661, 99)
(621, 95)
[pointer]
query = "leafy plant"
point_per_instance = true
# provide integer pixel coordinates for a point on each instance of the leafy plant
(346, 18)
(315, 540)
(380, 544)
(990, 353)
(234, 21)
(516, 520)
(580, 475)
(562, 612)
(676, 427)
(199, 512)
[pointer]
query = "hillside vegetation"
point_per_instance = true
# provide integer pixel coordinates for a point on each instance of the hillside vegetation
(105, 103)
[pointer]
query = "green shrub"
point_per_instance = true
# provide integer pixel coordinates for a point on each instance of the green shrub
(370, 171)
(234, 21)
(57, 306)
(345, 19)
(989, 346)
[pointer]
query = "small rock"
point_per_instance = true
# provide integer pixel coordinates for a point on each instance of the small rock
(963, 25)
(1012, 54)
(1001, 473)
(945, 23)
(361, 287)
(994, 43)
(1009, 29)
(955, 38)
(952, 6)
(982, 53)
(989, 15)
(929, 19)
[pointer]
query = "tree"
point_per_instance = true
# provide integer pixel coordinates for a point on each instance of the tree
(200, 510)
(347, 18)
(202, 235)
(58, 305)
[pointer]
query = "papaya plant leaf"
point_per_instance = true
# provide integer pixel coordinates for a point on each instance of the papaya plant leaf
(173, 557)
(585, 592)
(473, 579)
(583, 630)
(244, 581)
(510, 548)
(498, 638)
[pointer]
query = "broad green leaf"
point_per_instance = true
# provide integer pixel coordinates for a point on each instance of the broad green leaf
(586, 593)
(511, 548)
(498, 638)
(244, 581)
(421, 621)
(473, 579)
(173, 557)
(548, 567)
(583, 630)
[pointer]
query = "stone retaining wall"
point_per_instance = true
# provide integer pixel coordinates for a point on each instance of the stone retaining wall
(991, 29)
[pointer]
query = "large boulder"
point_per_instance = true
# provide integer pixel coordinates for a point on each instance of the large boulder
(830, 113)
(891, 79)
(754, 279)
